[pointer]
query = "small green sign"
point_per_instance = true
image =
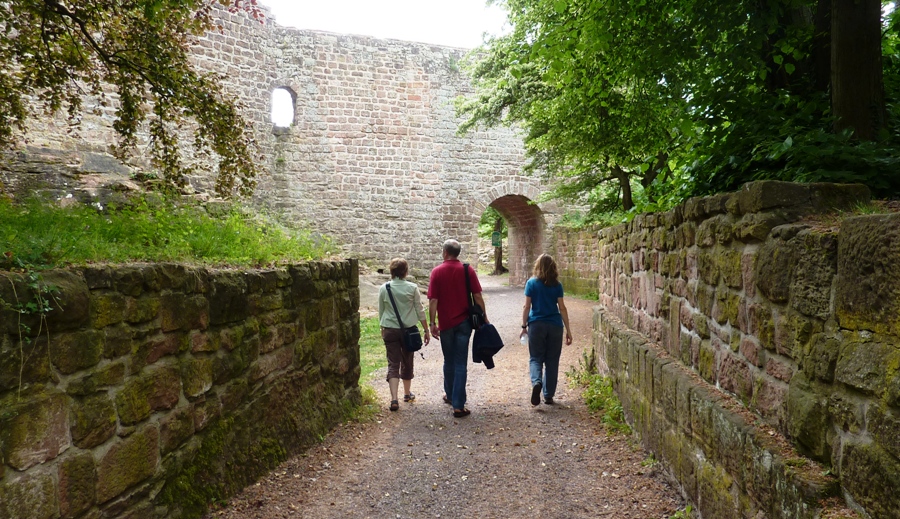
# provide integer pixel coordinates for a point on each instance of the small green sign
(495, 239)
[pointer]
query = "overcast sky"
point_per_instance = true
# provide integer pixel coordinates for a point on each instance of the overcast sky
(455, 23)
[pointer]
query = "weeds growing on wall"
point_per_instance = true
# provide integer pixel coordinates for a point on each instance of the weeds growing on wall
(38, 233)
(598, 394)
(39, 301)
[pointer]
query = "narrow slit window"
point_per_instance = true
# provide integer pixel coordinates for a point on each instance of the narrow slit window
(282, 107)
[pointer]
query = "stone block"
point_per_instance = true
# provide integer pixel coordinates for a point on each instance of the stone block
(867, 291)
(77, 475)
(183, 312)
(228, 298)
(15, 373)
(756, 227)
(93, 420)
(847, 411)
(735, 376)
(870, 475)
(884, 425)
(775, 269)
(862, 364)
(68, 309)
(793, 333)
(807, 417)
(153, 391)
(275, 361)
(127, 463)
(99, 379)
(821, 363)
(175, 429)
(141, 310)
(31, 496)
(152, 349)
(762, 325)
(707, 362)
(729, 267)
(72, 302)
(206, 411)
(750, 349)
(197, 376)
(813, 275)
(119, 341)
(759, 196)
(780, 369)
(708, 266)
(75, 351)
(34, 429)
(107, 308)
(770, 401)
(828, 197)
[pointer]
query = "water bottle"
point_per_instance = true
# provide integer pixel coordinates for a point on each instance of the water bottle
(524, 340)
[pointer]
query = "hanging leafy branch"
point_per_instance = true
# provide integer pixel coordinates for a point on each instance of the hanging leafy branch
(59, 52)
(665, 99)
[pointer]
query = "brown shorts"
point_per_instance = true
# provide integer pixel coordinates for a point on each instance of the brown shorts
(400, 361)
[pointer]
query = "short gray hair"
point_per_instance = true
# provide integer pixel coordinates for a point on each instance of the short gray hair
(452, 248)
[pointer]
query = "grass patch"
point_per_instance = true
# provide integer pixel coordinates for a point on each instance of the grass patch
(371, 348)
(598, 394)
(36, 233)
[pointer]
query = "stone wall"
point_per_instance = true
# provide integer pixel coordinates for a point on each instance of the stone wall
(372, 159)
(577, 255)
(152, 390)
(754, 350)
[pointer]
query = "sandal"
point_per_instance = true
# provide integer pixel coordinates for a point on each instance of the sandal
(447, 400)
(459, 414)
(409, 398)
(395, 405)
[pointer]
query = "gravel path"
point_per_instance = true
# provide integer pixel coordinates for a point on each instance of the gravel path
(507, 459)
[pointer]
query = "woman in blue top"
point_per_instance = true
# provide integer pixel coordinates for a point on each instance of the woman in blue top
(543, 319)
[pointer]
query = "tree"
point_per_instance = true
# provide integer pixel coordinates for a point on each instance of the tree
(59, 52)
(665, 99)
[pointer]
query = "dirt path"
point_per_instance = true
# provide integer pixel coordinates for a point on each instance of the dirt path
(508, 459)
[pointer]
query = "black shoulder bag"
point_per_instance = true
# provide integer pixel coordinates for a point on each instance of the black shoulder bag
(476, 313)
(412, 340)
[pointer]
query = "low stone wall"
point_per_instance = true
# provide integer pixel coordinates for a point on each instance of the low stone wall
(151, 390)
(732, 322)
(577, 255)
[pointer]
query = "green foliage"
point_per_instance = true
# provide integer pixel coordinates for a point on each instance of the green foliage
(58, 53)
(488, 222)
(38, 233)
(371, 347)
(685, 513)
(598, 393)
(600, 398)
(637, 105)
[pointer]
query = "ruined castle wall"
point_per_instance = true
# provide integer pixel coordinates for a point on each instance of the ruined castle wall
(372, 158)
(153, 390)
(754, 351)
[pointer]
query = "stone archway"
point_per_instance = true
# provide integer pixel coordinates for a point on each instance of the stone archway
(525, 220)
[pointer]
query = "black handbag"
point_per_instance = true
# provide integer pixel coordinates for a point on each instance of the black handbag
(476, 313)
(412, 339)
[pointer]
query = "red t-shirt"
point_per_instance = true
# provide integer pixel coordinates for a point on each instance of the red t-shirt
(448, 286)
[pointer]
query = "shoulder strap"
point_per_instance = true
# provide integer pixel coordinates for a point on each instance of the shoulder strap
(468, 284)
(394, 304)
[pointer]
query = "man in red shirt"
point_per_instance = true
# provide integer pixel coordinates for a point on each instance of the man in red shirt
(448, 297)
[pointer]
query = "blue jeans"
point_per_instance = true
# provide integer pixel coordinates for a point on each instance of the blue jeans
(545, 347)
(455, 346)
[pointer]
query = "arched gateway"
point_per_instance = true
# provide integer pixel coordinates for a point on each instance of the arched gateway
(370, 155)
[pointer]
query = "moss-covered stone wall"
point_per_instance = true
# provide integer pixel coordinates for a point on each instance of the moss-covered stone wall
(748, 340)
(152, 390)
(577, 255)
